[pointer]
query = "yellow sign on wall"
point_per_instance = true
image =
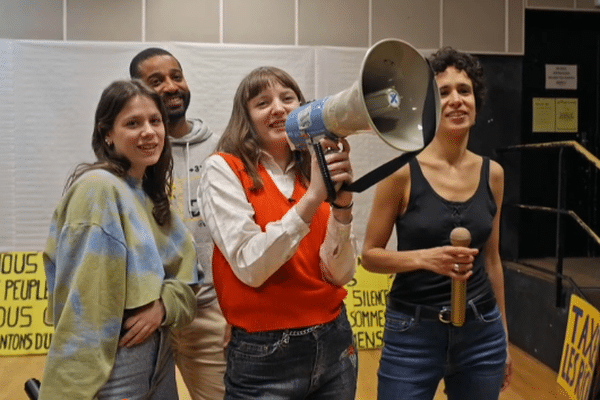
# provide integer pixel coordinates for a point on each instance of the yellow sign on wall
(566, 115)
(544, 115)
(365, 304)
(555, 115)
(580, 349)
(23, 302)
(24, 299)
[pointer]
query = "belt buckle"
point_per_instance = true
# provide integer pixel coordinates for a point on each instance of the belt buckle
(444, 315)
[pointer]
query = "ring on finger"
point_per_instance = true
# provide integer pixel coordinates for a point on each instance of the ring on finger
(456, 267)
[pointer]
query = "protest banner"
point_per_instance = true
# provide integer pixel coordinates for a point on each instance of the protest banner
(365, 304)
(23, 303)
(580, 349)
(24, 299)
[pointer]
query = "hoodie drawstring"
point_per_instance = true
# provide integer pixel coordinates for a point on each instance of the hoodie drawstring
(189, 189)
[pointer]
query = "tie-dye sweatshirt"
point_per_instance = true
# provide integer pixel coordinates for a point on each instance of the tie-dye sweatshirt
(105, 253)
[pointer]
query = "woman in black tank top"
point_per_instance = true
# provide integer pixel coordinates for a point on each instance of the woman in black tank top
(445, 187)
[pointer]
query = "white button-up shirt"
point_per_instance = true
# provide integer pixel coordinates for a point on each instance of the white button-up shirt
(255, 255)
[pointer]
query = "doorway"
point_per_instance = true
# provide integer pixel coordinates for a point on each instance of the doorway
(557, 40)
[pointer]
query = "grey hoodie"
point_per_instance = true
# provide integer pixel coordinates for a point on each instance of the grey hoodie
(189, 152)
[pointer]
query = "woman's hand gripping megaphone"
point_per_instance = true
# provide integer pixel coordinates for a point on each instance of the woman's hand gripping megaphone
(332, 169)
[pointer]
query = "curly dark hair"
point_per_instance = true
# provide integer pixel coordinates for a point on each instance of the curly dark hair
(157, 180)
(447, 56)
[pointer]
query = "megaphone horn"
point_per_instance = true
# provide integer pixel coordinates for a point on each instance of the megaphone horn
(395, 98)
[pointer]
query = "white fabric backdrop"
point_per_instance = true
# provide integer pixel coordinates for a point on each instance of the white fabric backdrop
(49, 91)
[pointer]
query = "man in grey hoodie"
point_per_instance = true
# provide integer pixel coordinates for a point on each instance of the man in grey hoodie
(198, 348)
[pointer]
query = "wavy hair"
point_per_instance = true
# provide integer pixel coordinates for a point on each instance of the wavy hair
(240, 138)
(447, 56)
(157, 180)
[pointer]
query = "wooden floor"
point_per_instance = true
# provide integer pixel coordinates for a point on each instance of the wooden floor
(532, 380)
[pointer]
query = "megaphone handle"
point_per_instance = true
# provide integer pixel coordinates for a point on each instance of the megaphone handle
(331, 193)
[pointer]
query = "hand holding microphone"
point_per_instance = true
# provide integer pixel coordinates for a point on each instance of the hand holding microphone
(458, 301)
(32, 388)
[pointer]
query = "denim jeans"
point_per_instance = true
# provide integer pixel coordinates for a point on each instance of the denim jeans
(143, 372)
(417, 354)
(319, 363)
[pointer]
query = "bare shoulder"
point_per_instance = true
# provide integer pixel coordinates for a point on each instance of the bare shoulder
(398, 179)
(497, 181)
(392, 192)
(496, 172)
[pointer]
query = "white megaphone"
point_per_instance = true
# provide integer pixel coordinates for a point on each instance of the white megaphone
(395, 97)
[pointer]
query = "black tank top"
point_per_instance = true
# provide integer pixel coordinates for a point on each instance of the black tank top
(427, 223)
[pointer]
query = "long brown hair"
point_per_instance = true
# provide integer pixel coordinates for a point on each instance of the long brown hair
(240, 138)
(157, 180)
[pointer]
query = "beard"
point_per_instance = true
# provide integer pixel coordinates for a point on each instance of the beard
(176, 113)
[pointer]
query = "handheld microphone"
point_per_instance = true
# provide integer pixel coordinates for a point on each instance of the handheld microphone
(32, 388)
(458, 301)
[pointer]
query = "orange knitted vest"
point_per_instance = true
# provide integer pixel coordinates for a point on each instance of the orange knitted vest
(296, 295)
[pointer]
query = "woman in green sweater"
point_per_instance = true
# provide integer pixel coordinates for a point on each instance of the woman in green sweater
(118, 262)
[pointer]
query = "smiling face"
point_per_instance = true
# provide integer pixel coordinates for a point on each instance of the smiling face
(268, 111)
(163, 73)
(457, 99)
(138, 134)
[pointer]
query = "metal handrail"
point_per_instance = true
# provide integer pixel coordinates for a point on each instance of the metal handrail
(559, 211)
(561, 143)
(570, 213)
(576, 288)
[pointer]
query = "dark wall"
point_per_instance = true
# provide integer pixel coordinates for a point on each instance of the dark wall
(498, 126)
(570, 38)
(532, 176)
(535, 324)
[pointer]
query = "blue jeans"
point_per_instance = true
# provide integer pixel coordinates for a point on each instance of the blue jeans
(417, 354)
(143, 372)
(315, 363)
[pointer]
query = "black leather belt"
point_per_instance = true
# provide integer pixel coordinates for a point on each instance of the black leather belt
(439, 313)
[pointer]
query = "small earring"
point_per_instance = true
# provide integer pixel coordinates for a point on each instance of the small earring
(108, 142)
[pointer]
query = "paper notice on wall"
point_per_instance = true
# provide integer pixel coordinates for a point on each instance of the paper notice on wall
(566, 115)
(560, 76)
(544, 114)
(555, 115)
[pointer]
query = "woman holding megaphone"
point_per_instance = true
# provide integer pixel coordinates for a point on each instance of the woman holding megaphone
(282, 253)
(445, 187)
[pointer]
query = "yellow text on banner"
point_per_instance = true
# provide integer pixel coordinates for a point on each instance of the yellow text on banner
(365, 305)
(580, 349)
(23, 303)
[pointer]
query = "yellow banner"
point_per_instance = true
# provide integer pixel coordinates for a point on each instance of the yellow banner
(365, 305)
(24, 299)
(580, 349)
(23, 302)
